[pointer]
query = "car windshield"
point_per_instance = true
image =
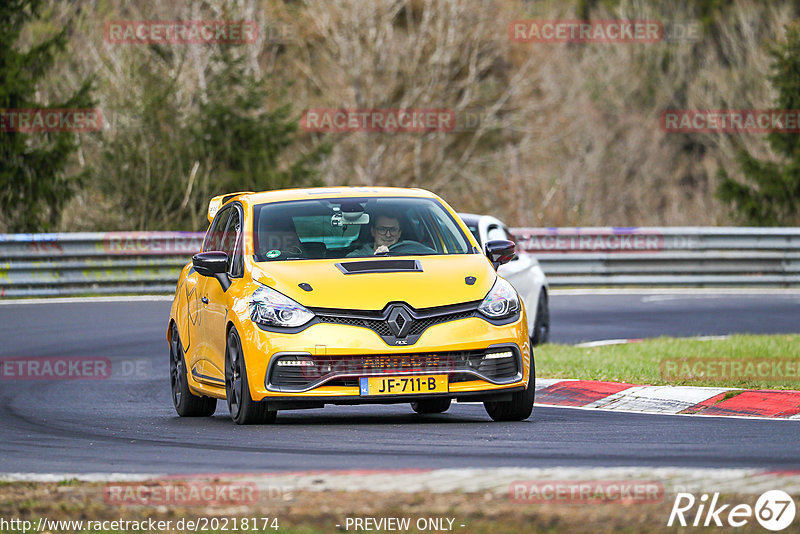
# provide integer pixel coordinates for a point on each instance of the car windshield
(355, 227)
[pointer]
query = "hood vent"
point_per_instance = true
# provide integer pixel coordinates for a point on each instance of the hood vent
(380, 266)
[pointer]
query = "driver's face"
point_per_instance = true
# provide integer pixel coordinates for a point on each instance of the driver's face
(385, 231)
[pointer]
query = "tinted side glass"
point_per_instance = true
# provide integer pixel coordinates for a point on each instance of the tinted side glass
(213, 240)
(232, 244)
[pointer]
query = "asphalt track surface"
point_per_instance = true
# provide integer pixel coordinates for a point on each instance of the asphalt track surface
(126, 424)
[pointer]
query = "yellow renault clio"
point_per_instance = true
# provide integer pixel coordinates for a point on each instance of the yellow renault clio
(307, 297)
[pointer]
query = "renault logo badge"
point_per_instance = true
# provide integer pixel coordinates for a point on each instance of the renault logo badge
(400, 322)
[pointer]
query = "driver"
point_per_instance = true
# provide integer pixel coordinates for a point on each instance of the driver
(385, 231)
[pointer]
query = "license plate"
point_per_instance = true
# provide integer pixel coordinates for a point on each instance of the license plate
(403, 385)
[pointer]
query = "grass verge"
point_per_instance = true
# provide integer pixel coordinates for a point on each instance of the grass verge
(740, 361)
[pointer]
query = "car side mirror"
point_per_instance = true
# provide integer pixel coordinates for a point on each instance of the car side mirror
(213, 264)
(500, 251)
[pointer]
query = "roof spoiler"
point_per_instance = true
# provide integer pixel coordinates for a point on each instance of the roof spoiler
(217, 202)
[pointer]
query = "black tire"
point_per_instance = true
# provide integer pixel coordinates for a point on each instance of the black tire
(186, 403)
(431, 405)
(244, 410)
(541, 326)
(519, 407)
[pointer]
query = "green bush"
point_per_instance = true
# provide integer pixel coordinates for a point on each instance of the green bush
(34, 182)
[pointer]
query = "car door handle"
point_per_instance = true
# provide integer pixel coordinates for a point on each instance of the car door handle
(205, 300)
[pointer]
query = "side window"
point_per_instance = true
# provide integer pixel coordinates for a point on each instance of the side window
(213, 239)
(231, 243)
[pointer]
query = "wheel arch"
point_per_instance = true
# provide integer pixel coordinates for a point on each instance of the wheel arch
(172, 323)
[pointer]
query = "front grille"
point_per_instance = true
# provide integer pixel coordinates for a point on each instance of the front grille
(418, 327)
(379, 326)
(345, 370)
(378, 321)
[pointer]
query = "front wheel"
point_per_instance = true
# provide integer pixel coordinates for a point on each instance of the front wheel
(186, 403)
(244, 410)
(519, 407)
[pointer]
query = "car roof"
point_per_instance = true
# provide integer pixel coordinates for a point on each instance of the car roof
(282, 195)
(333, 192)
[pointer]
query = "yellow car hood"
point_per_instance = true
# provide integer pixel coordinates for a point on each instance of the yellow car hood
(441, 282)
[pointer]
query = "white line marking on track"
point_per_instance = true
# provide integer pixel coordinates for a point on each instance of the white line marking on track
(88, 300)
(605, 342)
(678, 291)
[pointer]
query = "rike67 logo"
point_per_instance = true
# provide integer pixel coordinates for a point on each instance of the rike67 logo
(774, 510)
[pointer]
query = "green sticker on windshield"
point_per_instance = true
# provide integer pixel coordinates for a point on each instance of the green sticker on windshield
(273, 253)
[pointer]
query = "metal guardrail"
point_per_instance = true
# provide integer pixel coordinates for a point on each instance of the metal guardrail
(94, 263)
(665, 256)
(149, 262)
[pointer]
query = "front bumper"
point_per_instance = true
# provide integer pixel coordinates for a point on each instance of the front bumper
(298, 372)
(343, 353)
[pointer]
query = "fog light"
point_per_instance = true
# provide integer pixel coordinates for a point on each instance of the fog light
(499, 355)
(295, 363)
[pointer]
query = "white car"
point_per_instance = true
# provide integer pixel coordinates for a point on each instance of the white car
(523, 272)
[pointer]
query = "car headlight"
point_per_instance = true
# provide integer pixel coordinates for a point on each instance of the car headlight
(270, 308)
(501, 302)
